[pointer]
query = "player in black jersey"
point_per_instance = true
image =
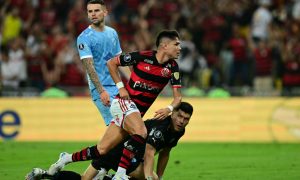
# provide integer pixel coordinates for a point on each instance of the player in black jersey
(163, 135)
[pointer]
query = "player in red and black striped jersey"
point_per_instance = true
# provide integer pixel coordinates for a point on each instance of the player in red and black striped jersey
(152, 70)
(149, 77)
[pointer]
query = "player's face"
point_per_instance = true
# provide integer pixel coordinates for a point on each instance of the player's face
(173, 49)
(180, 119)
(96, 13)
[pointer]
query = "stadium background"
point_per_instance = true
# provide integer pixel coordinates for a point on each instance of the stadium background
(218, 49)
(39, 39)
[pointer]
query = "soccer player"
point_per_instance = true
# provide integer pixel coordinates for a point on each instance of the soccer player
(96, 45)
(162, 136)
(152, 71)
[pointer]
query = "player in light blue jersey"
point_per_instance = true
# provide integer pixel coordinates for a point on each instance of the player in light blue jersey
(96, 45)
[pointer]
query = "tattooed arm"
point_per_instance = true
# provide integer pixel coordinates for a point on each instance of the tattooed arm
(90, 69)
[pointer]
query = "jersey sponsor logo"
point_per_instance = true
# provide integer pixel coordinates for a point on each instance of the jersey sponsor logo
(81, 46)
(148, 61)
(138, 84)
(165, 72)
(127, 57)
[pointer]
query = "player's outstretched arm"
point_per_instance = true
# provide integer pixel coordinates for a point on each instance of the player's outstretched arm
(149, 161)
(164, 112)
(162, 162)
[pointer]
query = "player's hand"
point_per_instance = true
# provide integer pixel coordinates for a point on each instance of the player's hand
(162, 113)
(124, 94)
(104, 96)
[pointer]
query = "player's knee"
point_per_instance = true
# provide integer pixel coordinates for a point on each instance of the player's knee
(102, 149)
(144, 132)
(141, 131)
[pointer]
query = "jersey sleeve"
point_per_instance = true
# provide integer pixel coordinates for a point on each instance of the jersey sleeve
(117, 50)
(154, 138)
(176, 76)
(83, 48)
(129, 59)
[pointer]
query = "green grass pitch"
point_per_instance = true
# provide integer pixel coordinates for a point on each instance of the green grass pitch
(189, 161)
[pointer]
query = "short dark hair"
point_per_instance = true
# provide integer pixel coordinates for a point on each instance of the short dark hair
(95, 2)
(171, 34)
(185, 107)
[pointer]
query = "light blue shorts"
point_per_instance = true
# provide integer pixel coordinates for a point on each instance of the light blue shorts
(104, 110)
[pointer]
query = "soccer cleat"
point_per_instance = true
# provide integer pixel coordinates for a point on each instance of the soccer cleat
(35, 174)
(64, 159)
(100, 175)
(120, 176)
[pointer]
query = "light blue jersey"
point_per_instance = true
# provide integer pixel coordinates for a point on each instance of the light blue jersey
(101, 46)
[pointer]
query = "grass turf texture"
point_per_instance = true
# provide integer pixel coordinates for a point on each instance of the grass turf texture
(188, 160)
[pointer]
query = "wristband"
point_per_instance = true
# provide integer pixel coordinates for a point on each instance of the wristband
(170, 107)
(149, 178)
(120, 85)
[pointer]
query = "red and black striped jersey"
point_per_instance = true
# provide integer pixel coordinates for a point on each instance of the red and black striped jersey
(148, 77)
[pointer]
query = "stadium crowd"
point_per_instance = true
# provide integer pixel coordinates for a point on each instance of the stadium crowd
(244, 47)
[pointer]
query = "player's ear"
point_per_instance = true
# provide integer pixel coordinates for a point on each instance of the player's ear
(105, 12)
(164, 45)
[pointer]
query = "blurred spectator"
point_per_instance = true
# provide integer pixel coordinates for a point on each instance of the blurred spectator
(261, 21)
(214, 64)
(72, 73)
(76, 21)
(47, 15)
(187, 58)
(240, 68)
(56, 40)
(35, 44)
(291, 67)
(296, 10)
(142, 37)
(50, 67)
(263, 81)
(12, 71)
(12, 25)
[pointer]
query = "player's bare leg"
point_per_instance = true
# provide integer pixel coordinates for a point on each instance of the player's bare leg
(135, 126)
(90, 173)
(112, 136)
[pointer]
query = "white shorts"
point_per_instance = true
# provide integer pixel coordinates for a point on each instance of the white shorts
(120, 108)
